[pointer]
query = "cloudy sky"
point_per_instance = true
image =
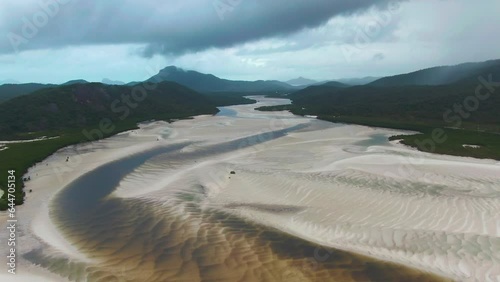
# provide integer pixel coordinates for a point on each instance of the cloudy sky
(128, 40)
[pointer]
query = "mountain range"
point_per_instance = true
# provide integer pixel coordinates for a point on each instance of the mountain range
(428, 97)
(442, 75)
(419, 101)
(210, 83)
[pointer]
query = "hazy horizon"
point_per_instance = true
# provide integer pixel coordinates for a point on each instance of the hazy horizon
(108, 80)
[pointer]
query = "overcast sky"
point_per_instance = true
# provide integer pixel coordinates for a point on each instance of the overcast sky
(128, 40)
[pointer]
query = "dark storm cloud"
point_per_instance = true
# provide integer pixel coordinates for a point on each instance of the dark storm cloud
(165, 27)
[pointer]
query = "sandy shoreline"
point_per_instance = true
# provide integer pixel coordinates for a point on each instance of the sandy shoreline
(386, 201)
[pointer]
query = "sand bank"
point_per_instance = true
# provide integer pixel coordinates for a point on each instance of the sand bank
(342, 186)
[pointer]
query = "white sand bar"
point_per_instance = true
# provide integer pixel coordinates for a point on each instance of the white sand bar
(350, 188)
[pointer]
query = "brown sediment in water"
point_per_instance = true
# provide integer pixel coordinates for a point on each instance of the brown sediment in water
(138, 240)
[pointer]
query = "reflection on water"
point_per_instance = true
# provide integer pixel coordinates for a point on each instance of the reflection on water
(181, 240)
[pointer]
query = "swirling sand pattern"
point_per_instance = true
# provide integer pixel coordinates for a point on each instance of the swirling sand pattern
(312, 201)
(438, 213)
(183, 239)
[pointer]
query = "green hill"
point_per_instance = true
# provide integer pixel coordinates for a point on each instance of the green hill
(9, 91)
(442, 75)
(75, 81)
(83, 105)
(210, 83)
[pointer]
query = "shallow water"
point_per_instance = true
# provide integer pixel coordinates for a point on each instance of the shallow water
(226, 112)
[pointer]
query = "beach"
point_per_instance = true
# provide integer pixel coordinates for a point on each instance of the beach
(214, 186)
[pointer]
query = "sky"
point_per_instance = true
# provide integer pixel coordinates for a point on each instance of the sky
(53, 41)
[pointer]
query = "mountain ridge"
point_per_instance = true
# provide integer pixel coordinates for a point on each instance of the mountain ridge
(202, 82)
(441, 75)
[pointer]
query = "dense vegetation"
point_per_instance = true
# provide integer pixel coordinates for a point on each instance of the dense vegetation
(424, 104)
(86, 112)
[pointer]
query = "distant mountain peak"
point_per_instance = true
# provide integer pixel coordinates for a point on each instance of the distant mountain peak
(300, 81)
(210, 83)
(172, 69)
(112, 82)
(75, 81)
